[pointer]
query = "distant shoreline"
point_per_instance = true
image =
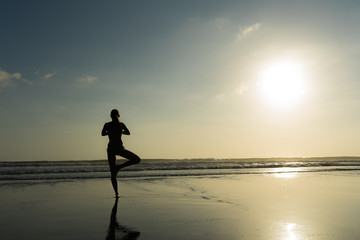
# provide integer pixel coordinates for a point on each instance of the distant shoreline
(192, 159)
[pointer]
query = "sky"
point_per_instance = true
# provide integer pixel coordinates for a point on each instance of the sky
(191, 79)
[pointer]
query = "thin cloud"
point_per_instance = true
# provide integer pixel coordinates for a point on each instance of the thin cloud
(249, 29)
(86, 79)
(8, 79)
(220, 96)
(220, 22)
(49, 75)
(241, 90)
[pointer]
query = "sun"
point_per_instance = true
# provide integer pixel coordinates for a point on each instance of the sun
(283, 83)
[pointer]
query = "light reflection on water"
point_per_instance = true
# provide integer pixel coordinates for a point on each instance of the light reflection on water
(285, 172)
(290, 231)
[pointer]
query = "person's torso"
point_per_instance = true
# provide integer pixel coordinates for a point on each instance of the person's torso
(115, 132)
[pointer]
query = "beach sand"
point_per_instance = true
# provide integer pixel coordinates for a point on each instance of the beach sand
(250, 206)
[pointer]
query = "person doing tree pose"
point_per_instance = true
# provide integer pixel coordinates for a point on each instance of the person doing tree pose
(114, 130)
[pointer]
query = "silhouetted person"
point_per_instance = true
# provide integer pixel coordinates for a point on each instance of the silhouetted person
(115, 129)
(114, 226)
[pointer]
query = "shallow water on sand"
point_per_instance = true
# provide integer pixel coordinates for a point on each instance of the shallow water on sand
(252, 206)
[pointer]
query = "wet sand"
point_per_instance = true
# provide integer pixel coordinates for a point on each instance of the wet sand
(271, 206)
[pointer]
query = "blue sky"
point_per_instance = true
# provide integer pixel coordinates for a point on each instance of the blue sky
(183, 74)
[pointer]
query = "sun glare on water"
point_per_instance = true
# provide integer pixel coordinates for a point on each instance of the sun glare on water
(283, 83)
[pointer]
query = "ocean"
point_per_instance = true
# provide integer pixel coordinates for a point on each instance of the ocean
(97, 169)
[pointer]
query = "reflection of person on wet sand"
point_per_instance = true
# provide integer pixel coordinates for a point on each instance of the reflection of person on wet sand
(114, 130)
(114, 227)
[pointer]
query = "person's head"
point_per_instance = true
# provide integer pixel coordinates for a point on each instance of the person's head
(114, 114)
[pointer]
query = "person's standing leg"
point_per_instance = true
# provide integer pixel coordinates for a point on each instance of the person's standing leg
(113, 171)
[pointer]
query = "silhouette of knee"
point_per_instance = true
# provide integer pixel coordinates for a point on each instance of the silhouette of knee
(136, 160)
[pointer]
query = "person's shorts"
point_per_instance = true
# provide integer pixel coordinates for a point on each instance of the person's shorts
(115, 150)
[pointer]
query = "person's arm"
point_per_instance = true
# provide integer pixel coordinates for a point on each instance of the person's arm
(104, 131)
(125, 130)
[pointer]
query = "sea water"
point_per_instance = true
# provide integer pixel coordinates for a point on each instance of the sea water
(96, 169)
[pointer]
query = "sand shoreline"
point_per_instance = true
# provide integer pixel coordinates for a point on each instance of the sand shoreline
(270, 206)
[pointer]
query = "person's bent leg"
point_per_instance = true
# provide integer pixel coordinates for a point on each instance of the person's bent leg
(132, 158)
(113, 171)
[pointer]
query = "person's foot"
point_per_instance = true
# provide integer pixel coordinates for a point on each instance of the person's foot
(132, 235)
